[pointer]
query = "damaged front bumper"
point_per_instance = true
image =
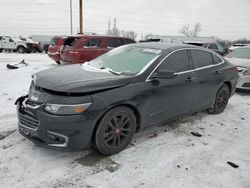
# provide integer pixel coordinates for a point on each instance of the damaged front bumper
(72, 132)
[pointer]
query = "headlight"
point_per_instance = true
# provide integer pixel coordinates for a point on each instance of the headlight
(243, 70)
(247, 72)
(66, 109)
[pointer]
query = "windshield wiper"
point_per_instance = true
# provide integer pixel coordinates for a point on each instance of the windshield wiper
(87, 65)
(111, 71)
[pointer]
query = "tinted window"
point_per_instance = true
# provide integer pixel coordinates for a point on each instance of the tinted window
(201, 58)
(213, 47)
(128, 41)
(1, 38)
(113, 43)
(71, 41)
(177, 62)
(216, 59)
(94, 43)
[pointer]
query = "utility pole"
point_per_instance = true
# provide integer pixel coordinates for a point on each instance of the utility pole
(71, 24)
(109, 28)
(81, 16)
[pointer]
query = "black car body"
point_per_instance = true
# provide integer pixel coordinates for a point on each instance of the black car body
(178, 79)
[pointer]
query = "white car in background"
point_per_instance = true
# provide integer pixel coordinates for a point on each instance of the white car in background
(241, 58)
(235, 46)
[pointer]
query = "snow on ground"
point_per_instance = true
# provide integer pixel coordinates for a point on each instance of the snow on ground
(163, 156)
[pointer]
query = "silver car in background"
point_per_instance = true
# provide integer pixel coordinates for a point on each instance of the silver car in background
(241, 58)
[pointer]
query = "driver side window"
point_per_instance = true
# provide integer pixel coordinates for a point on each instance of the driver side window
(177, 62)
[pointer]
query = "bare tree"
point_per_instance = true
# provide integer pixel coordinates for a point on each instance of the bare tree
(129, 34)
(185, 30)
(197, 29)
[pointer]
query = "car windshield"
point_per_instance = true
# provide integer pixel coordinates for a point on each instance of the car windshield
(127, 59)
(240, 53)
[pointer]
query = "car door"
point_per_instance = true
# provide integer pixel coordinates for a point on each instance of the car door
(208, 77)
(8, 43)
(171, 97)
(92, 49)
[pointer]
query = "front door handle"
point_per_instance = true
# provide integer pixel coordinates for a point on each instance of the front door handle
(189, 79)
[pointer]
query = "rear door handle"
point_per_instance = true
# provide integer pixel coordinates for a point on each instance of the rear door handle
(217, 72)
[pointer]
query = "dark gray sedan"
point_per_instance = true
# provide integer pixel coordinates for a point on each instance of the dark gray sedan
(106, 101)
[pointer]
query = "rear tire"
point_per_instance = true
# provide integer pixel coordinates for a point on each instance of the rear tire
(221, 100)
(1, 50)
(21, 49)
(115, 131)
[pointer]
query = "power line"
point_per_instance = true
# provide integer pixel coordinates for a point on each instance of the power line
(156, 22)
(162, 16)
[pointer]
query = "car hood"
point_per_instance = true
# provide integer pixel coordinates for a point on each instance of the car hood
(239, 62)
(75, 79)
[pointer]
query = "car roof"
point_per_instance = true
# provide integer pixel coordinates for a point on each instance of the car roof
(97, 36)
(164, 45)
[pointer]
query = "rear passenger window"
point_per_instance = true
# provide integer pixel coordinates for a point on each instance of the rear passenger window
(127, 41)
(217, 60)
(177, 62)
(71, 41)
(113, 43)
(201, 58)
(94, 43)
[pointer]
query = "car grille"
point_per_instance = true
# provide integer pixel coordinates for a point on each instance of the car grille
(28, 120)
(246, 85)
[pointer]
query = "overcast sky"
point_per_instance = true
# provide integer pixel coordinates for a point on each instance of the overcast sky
(226, 19)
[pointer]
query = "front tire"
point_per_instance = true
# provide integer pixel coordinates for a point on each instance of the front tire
(21, 49)
(115, 131)
(58, 62)
(221, 100)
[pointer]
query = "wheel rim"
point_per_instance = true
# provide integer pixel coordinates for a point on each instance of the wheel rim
(117, 131)
(20, 50)
(222, 99)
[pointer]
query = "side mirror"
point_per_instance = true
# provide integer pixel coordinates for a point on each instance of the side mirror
(164, 74)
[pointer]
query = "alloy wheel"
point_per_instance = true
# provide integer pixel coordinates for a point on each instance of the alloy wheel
(117, 131)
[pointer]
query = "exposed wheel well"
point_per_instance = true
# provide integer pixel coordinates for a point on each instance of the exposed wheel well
(20, 46)
(229, 84)
(131, 107)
